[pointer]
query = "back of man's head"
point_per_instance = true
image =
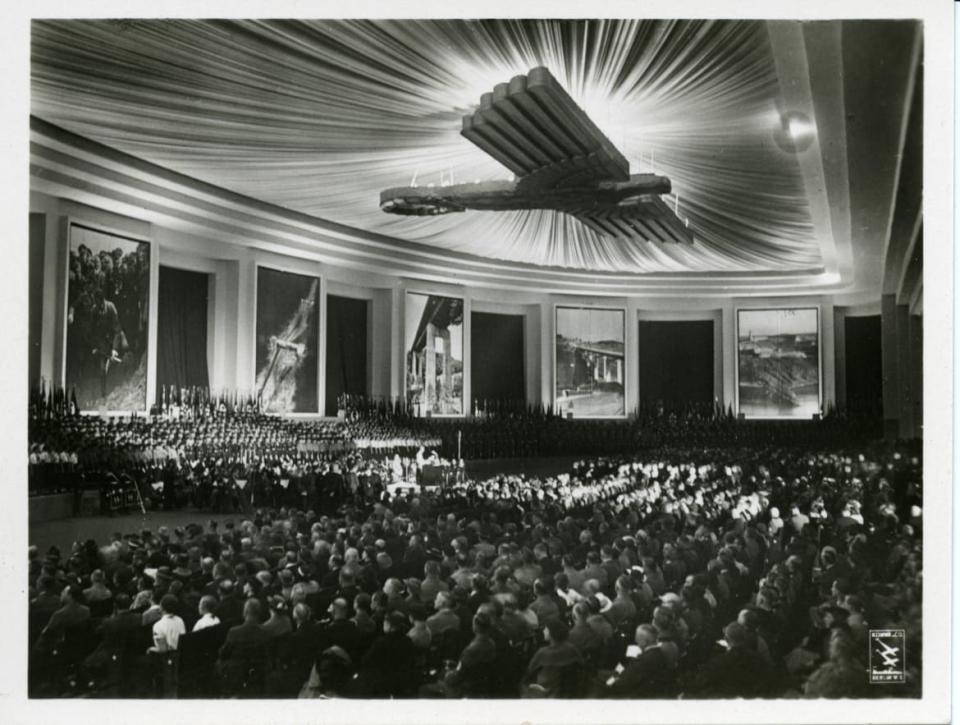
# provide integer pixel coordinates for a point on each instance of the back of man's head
(482, 623)
(557, 630)
(736, 635)
(302, 613)
(73, 593)
(169, 603)
(581, 610)
(396, 622)
(443, 600)
(339, 608)
(121, 602)
(645, 636)
(252, 610)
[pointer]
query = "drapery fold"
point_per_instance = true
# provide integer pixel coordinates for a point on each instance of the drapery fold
(320, 116)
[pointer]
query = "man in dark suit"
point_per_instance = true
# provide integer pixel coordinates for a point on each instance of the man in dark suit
(230, 610)
(649, 675)
(738, 672)
(342, 631)
(331, 490)
(246, 640)
(72, 614)
(243, 656)
(475, 673)
(115, 633)
(388, 669)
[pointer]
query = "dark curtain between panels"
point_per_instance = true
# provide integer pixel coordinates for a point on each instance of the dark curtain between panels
(675, 365)
(864, 374)
(496, 358)
(182, 329)
(346, 349)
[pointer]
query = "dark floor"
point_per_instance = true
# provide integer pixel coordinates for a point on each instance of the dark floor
(64, 532)
(99, 528)
(528, 466)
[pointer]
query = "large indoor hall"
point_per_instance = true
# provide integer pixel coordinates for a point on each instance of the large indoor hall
(575, 359)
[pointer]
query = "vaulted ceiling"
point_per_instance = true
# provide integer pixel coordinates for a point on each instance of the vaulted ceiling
(319, 117)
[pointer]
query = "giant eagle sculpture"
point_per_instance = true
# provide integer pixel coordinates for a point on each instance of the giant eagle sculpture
(560, 161)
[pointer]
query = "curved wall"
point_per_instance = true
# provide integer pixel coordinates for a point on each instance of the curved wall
(198, 227)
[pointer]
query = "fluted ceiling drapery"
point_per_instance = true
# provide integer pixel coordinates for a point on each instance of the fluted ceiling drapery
(320, 116)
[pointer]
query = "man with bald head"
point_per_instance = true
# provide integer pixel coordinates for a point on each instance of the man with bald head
(342, 631)
(649, 674)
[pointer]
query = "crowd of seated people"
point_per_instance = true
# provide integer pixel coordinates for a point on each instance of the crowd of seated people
(513, 429)
(198, 451)
(719, 573)
(69, 451)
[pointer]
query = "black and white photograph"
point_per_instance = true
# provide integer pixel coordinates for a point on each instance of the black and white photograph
(590, 370)
(488, 366)
(778, 363)
(434, 345)
(286, 341)
(108, 293)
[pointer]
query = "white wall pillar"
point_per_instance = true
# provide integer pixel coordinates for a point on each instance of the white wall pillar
(246, 372)
(397, 351)
(728, 352)
(547, 342)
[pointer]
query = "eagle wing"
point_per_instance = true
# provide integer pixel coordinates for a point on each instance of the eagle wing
(644, 217)
(532, 126)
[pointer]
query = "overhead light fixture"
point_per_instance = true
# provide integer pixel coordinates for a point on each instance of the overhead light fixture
(795, 132)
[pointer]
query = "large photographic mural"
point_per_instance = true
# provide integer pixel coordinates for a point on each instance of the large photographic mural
(778, 363)
(589, 371)
(286, 356)
(108, 300)
(433, 341)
